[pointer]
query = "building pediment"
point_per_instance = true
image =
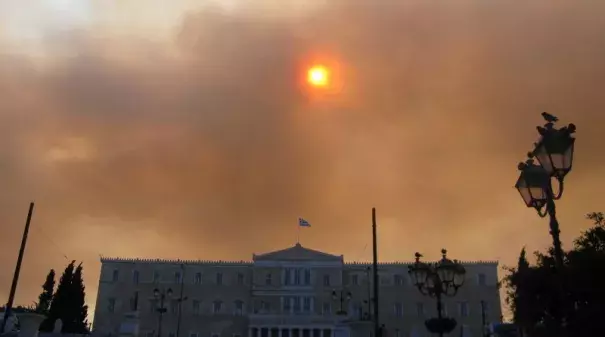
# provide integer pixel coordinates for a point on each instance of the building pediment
(298, 253)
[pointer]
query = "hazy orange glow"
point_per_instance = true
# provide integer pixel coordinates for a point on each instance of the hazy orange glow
(318, 76)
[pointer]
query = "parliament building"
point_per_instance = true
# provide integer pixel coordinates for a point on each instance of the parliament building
(294, 292)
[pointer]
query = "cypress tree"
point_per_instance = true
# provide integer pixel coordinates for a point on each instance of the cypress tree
(45, 300)
(78, 307)
(59, 308)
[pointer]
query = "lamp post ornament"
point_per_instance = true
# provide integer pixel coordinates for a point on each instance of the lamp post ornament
(554, 153)
(437, 280)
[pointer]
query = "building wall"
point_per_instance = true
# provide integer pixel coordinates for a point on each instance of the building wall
(402, 308)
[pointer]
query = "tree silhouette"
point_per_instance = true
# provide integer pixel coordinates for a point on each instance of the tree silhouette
(45, 299)
(534, 293)
(59, 308)
(78, 310)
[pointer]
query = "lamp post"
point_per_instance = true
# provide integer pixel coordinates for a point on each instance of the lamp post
(341, 296)
(161, 309)
(436, 280)
(554, 153)
(368, 302)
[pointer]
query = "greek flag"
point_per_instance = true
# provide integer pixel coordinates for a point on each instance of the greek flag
(303, 223)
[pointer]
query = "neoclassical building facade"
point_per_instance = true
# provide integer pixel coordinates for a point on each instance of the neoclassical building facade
(286, 293)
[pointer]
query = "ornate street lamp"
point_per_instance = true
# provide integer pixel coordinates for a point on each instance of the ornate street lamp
(436, 280)
(161, 309)
(341, 296)
(554, 152)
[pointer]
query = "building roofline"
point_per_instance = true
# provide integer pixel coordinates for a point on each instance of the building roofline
(407, 263)
(105, 259)
(174, 261)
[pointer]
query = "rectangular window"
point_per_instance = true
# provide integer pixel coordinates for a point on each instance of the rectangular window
(485, 307)
(398, 280)
(153, 306)
(149, 334)
(264, 306)
(481, 279)
(307, 277)
(463, 309)
(239, 308)
(197, 279)
(171, 334)
(268, 279)
(135, 277)
(287, 276)
(134, 301)
(307, 304)
(174, 306)
(326, 308)
(156, 277)
(326, 280)
(355, 280)
(219, 278)
(296, 304)
(240, 279)
(115, 276)
(357, 310)
(287, 305)
(193, 334)
(217, 307)
(196, 307)
(214, 334)
(178, 277)
(398, 310)
(420, 309)
(466, 331)
(297, 276)
(111, 305)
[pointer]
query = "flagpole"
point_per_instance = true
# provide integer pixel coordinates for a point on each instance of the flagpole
(298, 235)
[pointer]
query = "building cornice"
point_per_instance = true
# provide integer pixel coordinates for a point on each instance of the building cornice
(105, 259)
(408, 263)
(243, 263)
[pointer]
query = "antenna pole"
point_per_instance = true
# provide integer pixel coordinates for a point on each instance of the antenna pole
(11, 296)
(375, 267)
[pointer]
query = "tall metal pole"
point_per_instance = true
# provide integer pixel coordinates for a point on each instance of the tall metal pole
(376, 283)
(369, 293)
(11, 296)
(178, 322)
(483, 320)
(439, 309)
(161, 310)
(555, 232)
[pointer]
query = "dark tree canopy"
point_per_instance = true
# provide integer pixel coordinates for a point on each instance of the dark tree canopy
(45, 299)
(69, 302)
(534, 291)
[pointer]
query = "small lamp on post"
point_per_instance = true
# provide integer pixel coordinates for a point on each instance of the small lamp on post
(341, 296)
(443, 278)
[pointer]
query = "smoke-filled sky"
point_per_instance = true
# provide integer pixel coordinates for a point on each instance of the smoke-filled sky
(181, 129)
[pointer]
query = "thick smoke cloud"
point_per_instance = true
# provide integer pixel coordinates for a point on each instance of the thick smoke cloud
(206, 145)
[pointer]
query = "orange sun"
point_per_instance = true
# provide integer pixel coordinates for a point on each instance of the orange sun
(318, 76)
